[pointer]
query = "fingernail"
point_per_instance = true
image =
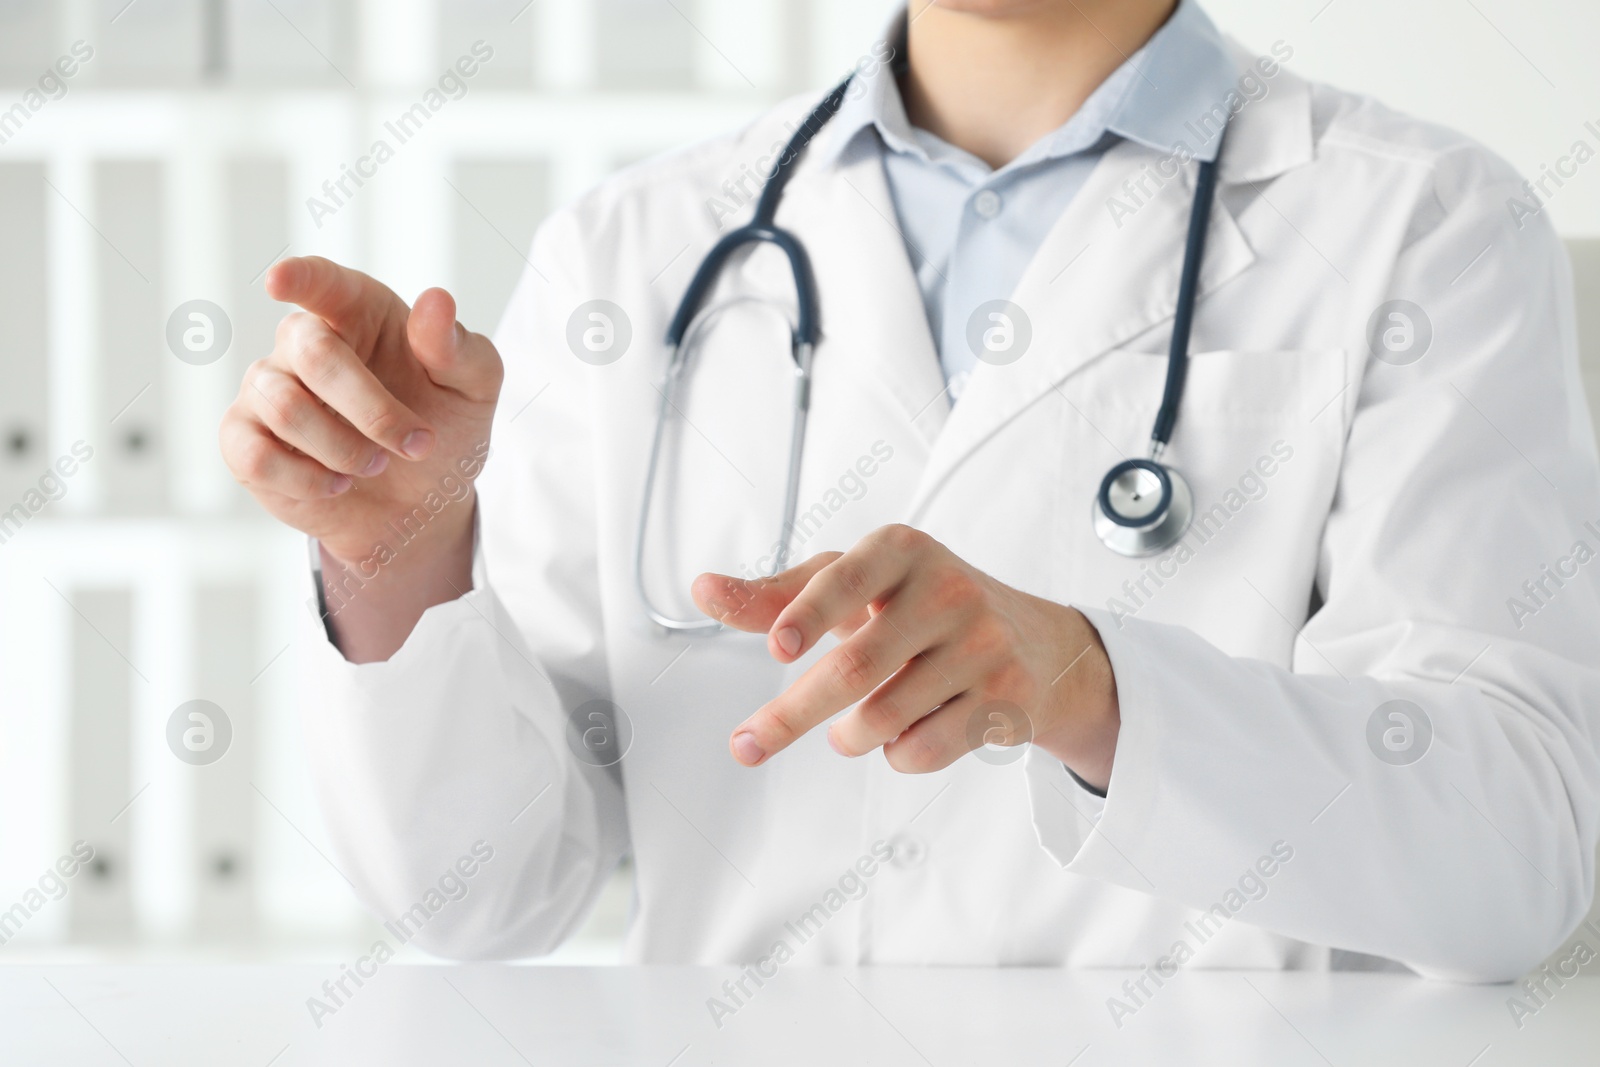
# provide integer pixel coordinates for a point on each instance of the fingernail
(416, 444)
(376, 466)
(746, 750)
(788, 640)
(340, 484)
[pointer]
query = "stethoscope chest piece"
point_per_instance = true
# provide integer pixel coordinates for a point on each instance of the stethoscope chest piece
(1143, 507)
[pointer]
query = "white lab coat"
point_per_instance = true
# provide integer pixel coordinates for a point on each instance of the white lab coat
(1365, 525)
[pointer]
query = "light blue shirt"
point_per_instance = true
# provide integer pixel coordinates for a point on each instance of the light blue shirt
(970, 230)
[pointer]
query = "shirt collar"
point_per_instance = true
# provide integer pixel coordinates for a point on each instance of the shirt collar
(1156, 97)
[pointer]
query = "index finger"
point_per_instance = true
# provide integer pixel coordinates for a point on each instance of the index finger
(753, 604)
(842, 590)
(841, 678)
(347, 299)
(838, 592)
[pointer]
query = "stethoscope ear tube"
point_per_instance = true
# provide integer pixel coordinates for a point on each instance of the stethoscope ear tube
(761, 229)
(668, 391)
(806, 326)
(677, 371)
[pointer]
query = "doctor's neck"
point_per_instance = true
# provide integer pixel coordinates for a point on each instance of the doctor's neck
(993, 76)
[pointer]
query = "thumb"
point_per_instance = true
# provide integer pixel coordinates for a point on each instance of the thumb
(454, 357)
(753, 605)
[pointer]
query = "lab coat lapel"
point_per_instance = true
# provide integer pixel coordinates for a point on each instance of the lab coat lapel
(874, 329)
(1107, 273)
(1099, 281)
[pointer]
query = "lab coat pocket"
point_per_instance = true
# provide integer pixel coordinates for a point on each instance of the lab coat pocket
(1242, 408)
(1228, 395)
(1259, 438)
(1226, 387)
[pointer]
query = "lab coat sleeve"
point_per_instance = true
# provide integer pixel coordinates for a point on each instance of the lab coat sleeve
(1465, 475)
(458, 743)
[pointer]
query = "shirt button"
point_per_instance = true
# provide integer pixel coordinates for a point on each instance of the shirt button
(909, 851)
(987, 203)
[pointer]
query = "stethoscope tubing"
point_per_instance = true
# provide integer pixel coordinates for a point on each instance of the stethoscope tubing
(761, 229)
(1205, 193)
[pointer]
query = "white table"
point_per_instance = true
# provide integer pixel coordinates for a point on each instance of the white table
(489, 1015)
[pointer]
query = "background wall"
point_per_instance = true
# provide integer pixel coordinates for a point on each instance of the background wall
(175, 165)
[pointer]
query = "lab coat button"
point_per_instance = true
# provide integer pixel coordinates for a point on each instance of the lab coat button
(909, 851)
(986, 203)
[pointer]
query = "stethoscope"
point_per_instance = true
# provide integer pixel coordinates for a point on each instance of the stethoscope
(1143, 507)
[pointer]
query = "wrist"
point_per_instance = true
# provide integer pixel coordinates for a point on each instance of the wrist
(1083, 718)
(406, 542)
(374, 600)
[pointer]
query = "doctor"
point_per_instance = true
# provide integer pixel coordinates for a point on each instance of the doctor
(1346, 718)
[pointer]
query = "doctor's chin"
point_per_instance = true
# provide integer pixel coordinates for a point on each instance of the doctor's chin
(937, 531)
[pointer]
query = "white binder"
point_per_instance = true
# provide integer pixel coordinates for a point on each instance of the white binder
(26, 451)
(644, 44)
(226, 659)
(28, 41)
(131, 353)
(507, 26)
(149, 42)
(101, 786)
(496, 205)
(296, 43)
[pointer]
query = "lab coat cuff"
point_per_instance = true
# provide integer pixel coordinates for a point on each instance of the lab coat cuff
(1064, 812)
(470, 605)
(1073, 823)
